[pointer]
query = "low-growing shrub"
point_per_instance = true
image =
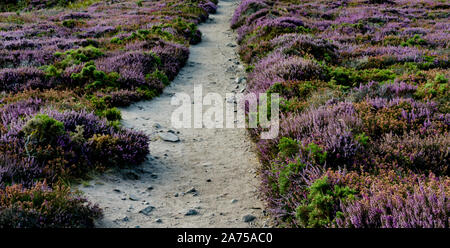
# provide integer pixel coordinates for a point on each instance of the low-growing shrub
(42, 207)
(43, 129)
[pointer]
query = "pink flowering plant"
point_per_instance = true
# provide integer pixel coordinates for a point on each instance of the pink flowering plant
(364, 120)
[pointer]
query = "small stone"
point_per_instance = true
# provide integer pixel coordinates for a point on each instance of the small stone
(125, 219)
(191, 212)
(170, 137)
(192, 190)
(157, 125)
(158, 221)
(234, 201)
(248, 218)
(239, 80)
(231, 45)
(146, 211)
(117, 190)
(133, 198)
(176, 194)
(208, 180)
(154, 176)
(150, 188)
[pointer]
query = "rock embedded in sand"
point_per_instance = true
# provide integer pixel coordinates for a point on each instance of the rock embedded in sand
(171, 137)
(146, 211)
(191, 212)
(192, 190)
(248, 218)
(133, 198)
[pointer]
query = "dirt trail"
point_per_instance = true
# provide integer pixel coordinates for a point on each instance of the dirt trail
(219, 164)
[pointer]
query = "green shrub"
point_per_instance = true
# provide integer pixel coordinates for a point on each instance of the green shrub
(112, 114)
(286, 172)
(52, 71)
(95, 79)
(362, 138)
(158, 75)
(437, 88)
(288, 147)
(116, 40)
(71, 23)
(416, 40)
(317, 210)
(350, 77)
(43, 129)
(316, 152)
(78, 56)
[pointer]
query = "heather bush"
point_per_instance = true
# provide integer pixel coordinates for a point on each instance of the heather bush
(62, 73)
(319, 208)
(246, 8)
(42, 207)
(43, 129)
(392, 201)
(420, 153)
(364, 110)
(276, 68)
(302, 44)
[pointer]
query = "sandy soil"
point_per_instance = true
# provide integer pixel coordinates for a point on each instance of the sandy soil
(209, 173)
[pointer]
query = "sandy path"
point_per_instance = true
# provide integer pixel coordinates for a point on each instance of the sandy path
(219, 163)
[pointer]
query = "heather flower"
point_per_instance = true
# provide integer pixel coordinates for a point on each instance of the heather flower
(245, 8)
(372, 137)
(278, 67)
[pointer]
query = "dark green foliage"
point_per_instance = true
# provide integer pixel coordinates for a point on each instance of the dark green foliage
(112, 114)
(316, 152)
(43, 129)
(350, 77)
(285, 174)
(362, 138)
(95, 79)
(318, 209)
(77, 56)
(158, 75)
(71, 23)
(416, 40)
(288, 147)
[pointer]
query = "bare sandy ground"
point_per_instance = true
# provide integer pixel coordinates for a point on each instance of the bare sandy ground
(208, 178)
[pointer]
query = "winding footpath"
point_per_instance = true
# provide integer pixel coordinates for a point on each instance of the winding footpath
(208, 178)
